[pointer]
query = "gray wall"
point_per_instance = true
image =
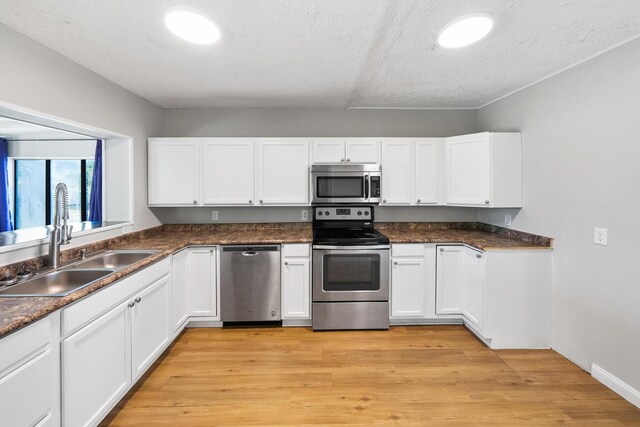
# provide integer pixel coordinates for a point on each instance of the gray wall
(581, 169)
(318, 122)
(37, 78)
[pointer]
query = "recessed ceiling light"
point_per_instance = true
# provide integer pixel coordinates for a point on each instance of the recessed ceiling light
(191, 25)
(465, 30)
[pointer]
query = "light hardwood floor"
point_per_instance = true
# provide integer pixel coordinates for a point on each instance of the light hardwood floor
(407, 376)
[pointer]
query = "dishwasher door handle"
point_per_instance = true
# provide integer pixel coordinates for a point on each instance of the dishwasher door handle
(250, 253)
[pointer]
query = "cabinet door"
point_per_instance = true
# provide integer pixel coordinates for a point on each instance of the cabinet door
(328, 150)
(283, 177)
(427, 171)
(96, 367)
(473, 286)
(469, 170)
(150, 325)
(174, 171)
(26, 392)
(179, 286)
(228, 171)
(296, 289)
(408, 287)
(397, 172)
(202, 282)
(363, 151)
(449, 276)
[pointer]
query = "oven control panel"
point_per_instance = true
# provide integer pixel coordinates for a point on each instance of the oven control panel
(358, 213)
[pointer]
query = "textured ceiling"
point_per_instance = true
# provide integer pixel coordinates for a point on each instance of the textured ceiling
(325, 53)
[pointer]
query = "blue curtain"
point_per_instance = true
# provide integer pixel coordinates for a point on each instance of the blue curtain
(95, 199)
(6, 224)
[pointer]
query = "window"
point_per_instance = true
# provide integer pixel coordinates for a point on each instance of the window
(35, 183)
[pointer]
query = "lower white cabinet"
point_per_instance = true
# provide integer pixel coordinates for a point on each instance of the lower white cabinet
(202, 280)
(150, 325)
(179, 289)
(449, 279)
(409, 285)
(473, 286)
(96, 367)
(114, 336)
(29, 375)
(296, 281)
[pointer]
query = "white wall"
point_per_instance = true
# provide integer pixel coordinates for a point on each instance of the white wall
(581, 169)
(37, 78)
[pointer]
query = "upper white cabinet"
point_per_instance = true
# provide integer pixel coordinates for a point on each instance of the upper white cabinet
(283, 171)
(228, 176)
(397, 172)
(174, 171)
(346, 150)
(412, 172)
(484, 169)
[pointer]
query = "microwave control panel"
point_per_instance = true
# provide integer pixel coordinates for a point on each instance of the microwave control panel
(375, 187)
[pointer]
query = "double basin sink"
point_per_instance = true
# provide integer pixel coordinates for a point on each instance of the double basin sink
(76, 275)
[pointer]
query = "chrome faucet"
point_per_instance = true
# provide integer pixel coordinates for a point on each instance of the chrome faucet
(61, 231)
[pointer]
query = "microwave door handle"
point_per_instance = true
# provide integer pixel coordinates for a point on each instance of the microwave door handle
(366, 187)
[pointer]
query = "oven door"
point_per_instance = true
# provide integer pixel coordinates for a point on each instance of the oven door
(340, 187)
(350, 273)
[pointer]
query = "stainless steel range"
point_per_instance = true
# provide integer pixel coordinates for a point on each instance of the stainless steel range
(350, 269)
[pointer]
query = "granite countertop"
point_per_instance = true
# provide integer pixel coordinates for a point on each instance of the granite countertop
(18, 312)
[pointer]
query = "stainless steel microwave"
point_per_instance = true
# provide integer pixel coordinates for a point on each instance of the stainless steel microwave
(346, 183)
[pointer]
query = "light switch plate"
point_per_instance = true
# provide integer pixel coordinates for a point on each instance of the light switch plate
(600, 236)
(214, 215)
(304, 215)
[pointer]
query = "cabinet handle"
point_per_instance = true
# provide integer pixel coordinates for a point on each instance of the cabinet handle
(195, 202)
(348, 160)
(131, 304)
(486, 202)
(286, 263)
(418, 200)
(210, 251)
(137, 299)
(441, 249)
(395, 262)
(341, 160)
(478, 256)
(250, 201)
(384, 200)
(260, 201)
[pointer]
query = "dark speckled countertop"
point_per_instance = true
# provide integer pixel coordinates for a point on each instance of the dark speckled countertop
(16, 313)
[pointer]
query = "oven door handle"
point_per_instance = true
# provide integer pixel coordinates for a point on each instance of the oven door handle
(351, 248)
(366, 187)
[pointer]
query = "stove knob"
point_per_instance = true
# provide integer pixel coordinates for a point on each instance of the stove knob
(359, 212)
(319, 213)
(366, 213)
(326, 212)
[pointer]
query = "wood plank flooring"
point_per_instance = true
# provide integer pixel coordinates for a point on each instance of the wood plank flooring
(408, 376)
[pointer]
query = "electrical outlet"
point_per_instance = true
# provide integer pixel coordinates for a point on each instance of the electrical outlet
(214, 215)
(507, 220)
(600, 236)
(304, 214)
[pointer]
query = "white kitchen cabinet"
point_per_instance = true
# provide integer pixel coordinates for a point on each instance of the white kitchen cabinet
(408, 296)
(473, 287)
(30, 375)
(283, 171)
(429, 171)
(96, 367)
(397, 171)
(484, 169)
(180, 289)
(150, 325)
(174, 172)
(296, 281)
(346, 150)
(449, 279)
(228, 167)
(202, 281)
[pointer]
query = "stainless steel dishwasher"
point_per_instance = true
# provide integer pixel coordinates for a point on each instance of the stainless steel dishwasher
(250, 283)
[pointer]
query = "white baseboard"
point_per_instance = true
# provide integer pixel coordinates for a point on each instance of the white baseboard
(616, 384)
(204, 324)
(296, 322)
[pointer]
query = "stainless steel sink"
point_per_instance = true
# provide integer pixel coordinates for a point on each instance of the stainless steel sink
(116, 260)
(56, 283)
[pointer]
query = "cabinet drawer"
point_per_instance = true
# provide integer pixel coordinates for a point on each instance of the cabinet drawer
(23, 344)
(411, 249)
(26, 392)
(296, 250)
(82, 312)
